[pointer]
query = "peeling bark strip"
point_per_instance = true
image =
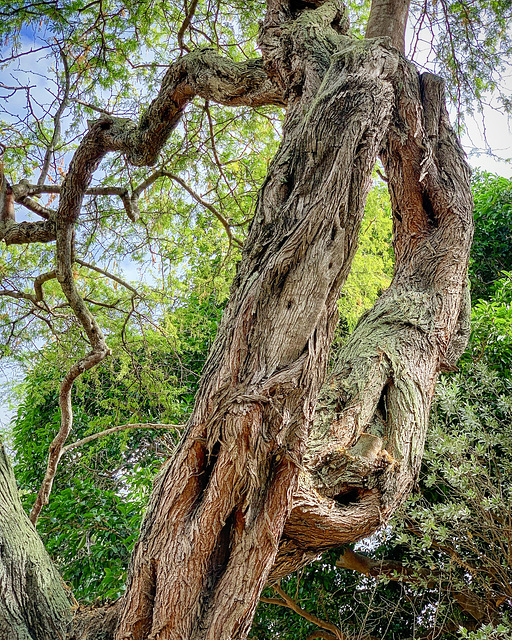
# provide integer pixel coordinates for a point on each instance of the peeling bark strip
(33, 603)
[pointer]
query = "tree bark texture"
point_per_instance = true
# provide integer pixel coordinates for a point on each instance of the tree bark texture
(33, 603)
(214, 531)
(217, 514)
(250, 495)
(365, 450)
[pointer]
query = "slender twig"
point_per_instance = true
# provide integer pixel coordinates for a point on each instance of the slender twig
(92, 107)
(56, 122)
(286, 601)
(185, 25)
(105, 273)
(122, 427)
(207, 205)
(216, 155)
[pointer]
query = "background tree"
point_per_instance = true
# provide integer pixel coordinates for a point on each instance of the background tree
(220, 520)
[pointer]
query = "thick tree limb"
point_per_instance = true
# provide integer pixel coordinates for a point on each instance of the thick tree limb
(34, 603)
(202, 72)
(366, 447)
(388, 18)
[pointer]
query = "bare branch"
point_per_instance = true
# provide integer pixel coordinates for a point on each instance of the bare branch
(20, 295)
(111, 276)
(122, 427)
(92, 107)
(56, 121)
(286, 601)
(206, 205)
(15, 56)
(468, 601)
(186, 24)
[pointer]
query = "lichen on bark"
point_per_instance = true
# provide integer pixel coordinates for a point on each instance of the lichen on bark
(34, 604)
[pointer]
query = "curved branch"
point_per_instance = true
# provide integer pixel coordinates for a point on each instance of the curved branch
(109, 275)
(186, 24)
(122, 427)
(290, 603)
(40, 280)
(202, 72)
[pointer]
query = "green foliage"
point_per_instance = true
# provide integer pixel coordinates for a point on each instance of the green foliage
(101, 488)
(471, 45)
(492, 327)
(372, 267)
(492, 246)
(488, 632)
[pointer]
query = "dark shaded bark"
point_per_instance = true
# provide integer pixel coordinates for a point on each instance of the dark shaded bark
(33, 603)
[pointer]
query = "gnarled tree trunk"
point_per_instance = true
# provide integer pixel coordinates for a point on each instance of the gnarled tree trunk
(249, 496)
(213, 535)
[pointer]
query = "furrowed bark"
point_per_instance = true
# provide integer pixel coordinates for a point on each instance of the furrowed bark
(33, 603)
(366, 447)
(218, 510)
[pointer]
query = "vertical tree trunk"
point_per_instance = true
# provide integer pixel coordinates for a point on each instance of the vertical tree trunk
(216, 516)
(33, 602)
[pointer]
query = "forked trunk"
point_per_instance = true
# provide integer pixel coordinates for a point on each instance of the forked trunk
(248, 497)
(217, 514)
(213, 534)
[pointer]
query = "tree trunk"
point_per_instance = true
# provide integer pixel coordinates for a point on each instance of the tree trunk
(216, 516)
(33, 604)
(365, 450)
(247, 498)
(212, 533)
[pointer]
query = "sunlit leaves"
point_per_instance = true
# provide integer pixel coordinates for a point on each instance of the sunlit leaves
(492, 248)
